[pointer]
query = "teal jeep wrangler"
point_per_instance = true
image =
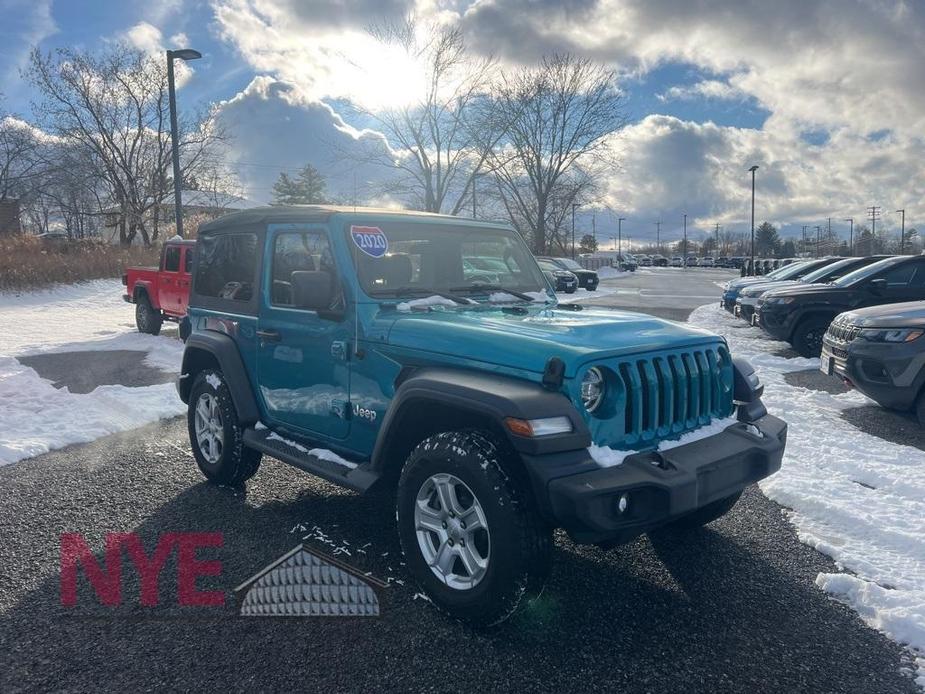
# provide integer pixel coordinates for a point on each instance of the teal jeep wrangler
(426, 357)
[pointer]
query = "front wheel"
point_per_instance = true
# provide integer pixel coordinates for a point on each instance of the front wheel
(468, 531)
(216, 436)
(807, 338)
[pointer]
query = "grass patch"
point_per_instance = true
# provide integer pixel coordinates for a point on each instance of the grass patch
(29, 263)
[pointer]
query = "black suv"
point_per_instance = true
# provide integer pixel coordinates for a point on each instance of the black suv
(587, 279)
(881, 352)
(801, 315)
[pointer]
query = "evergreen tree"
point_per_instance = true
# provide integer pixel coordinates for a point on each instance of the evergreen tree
(307, 188)
(767, 242)
(788, 249)
(588, 244)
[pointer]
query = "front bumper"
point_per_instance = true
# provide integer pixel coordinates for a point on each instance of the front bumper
(891, 374)
(659, 486)
(777, 322)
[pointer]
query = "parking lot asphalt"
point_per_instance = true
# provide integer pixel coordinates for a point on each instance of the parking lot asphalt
(732, 607)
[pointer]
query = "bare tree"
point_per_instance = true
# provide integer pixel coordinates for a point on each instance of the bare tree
(20, 163)
(440, 143)
(113, 110)
(560, 116)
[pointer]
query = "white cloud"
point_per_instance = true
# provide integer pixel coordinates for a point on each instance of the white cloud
(707, 89)
(25, 24)
(276, 128)
(843, 69)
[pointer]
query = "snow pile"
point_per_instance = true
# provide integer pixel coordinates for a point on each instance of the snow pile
(35, 417)
(426, 303)
(855, 497)
(609, 457)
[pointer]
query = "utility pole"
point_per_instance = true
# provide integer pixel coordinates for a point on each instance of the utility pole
(475, 178)
(753, 170)
(594, 227)
(902, 233)
(850, 220)
(620, 234)
(684, 253)
(818, 239)
(873, 213)
(716, 229)
(658, 234)
(574, 205)
(804, 239)
(182, 54)
(828, 235)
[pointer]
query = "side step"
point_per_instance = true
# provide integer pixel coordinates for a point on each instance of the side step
(333, 469)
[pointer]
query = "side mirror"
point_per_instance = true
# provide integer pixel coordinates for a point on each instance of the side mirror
(313, 290)
(878, 285)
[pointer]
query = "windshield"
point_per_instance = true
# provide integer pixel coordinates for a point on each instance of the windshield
(868, 271)
(421, 259)
(792, 271)
(569, 263)
(828, 272)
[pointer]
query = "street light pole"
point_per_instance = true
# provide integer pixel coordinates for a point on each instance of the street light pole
(818, 239)
(182, 54)
(902, 233)
(574, 205)
(753, 170)
(620, 234)
(850, 221)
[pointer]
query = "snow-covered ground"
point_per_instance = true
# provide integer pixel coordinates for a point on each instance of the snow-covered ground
(854, 497)
(36, 417)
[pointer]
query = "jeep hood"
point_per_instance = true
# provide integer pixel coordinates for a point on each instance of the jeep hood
(525, 339)
(814, 292)
(910, 314)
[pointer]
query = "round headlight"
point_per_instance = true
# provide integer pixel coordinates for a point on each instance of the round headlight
(592, 389)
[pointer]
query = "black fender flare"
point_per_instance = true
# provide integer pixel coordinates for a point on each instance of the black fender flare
(485, 395)
(200, 346)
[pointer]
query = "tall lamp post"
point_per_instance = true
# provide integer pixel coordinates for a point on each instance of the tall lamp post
(753, 170)
(902, 233)
(182, 54)
(850, 221)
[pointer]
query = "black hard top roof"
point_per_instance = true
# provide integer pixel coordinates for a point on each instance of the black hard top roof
(322, 213)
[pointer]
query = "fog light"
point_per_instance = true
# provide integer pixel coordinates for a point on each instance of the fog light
(623, 503)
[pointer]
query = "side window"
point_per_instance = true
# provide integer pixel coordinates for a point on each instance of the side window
(298, 252)
(172, 259)
(227, 265)
(903, 275)
(188, 259)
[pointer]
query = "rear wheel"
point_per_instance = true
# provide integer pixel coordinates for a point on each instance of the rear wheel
(468, 531)
(147, 319)
(807, 338)
(705, 514)
(216, 436)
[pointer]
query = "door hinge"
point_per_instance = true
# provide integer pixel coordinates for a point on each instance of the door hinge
(339, 350)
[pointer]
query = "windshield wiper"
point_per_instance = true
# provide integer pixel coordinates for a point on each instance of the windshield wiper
(484, 287)
(404, 291)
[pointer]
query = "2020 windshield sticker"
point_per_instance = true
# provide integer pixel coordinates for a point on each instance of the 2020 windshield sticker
(371, 240)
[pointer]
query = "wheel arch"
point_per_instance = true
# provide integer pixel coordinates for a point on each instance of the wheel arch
(209, 349)
(432, 401)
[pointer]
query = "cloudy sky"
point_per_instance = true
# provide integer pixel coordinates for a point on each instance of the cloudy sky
(827, 97)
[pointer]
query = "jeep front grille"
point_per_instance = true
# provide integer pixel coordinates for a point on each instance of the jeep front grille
(669, 394)
(843, 332)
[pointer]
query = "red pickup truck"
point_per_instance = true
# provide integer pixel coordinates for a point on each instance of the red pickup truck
(162, 293)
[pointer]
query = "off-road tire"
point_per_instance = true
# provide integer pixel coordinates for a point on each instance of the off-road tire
(237, 462)
(807, 338)
(705, 514)
(147, 320)
(521, 544)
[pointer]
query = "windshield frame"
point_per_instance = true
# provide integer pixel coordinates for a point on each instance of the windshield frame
(819, 272)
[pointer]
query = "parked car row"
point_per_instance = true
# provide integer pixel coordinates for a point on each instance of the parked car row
(799, 302)
(864, 318)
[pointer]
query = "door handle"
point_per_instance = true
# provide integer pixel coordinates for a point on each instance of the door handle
(269, 335)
